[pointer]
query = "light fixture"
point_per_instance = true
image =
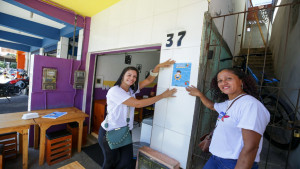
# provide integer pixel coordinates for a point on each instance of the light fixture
(248, 29)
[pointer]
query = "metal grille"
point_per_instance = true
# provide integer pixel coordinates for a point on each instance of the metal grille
(279, 96)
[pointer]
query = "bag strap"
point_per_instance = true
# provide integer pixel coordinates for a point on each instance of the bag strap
(128, 115)
(127, 118)
(234, 101)
(228, 109)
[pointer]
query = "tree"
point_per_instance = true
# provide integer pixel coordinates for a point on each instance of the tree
(2, 64)
(13, 65)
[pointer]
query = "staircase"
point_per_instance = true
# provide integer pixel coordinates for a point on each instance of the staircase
(256, 61)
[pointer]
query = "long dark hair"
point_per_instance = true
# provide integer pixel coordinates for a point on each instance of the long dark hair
(135, 86)
(249, 85)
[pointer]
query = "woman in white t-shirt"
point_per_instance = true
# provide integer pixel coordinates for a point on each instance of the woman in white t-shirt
(119, 98)
(237, 138)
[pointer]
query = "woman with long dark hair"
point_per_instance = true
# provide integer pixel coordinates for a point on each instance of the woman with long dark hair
(121, 102)
(237, 137)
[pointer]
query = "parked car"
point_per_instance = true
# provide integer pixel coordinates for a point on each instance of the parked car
(12, 73)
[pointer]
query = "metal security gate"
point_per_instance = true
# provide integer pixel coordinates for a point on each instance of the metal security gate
(248, 48)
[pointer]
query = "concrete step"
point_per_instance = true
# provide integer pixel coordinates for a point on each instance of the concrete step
(260, 62)
(260, 69)
(254, 50)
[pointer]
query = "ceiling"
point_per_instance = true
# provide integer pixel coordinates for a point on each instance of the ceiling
(27, 25)
(86, 7)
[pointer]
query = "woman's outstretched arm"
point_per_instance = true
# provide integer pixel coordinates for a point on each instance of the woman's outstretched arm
(150, 78)
(193, 91)
(133, 102)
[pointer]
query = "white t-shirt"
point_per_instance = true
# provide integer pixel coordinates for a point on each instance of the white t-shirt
(116, 111)
(247, 113)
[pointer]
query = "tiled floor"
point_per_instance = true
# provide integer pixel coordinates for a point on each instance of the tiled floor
(82, 158)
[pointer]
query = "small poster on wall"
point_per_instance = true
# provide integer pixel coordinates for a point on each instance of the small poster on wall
(181, 74)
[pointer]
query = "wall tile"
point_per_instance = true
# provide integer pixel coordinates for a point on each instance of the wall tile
(157, 138)
(142, 31)
(126, 35)
(180, 112)
(189, 53)
(112, 39)
(100, 19)
(128, 12)
(115, 16)
(164, 77)
(162, 24)
(183, 3)
(175, 141)
(164, 6)
(195, 71)
(160, 109)
(145, 8)
(165, 55)
(193, 29)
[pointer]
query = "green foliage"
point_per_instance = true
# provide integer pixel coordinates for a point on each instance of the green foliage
(13, 65)
(2, 64)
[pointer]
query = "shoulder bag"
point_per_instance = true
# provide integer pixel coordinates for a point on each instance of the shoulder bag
(206, 138)
(119, 137)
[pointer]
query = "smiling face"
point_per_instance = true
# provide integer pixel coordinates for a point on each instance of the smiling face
(230, 84)
(129, 78)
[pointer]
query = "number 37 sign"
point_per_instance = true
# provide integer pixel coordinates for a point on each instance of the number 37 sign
(174, 39)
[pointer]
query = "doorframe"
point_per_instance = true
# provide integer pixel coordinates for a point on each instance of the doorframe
(88, 95)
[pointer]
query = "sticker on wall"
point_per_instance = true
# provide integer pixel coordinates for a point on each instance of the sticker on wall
(181, 74)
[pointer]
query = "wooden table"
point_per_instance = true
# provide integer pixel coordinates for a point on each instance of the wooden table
(73, 115)
(73, 165)
(13, 122)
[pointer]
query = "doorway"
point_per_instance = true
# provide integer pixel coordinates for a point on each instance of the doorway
(107, 70)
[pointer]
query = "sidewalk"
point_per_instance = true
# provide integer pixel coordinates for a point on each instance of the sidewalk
(16, 104)
(4, 80)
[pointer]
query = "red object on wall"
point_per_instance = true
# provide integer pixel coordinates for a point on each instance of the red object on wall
(20, 61)
(251, 14)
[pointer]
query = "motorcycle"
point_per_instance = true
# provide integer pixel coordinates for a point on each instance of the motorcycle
(14, 86)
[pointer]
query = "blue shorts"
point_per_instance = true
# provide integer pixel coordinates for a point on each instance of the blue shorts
(215, 162)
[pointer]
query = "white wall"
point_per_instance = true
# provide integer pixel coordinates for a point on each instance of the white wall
(287, 65)
(136, 23)
(111, 66)
(254, 36)
(230, 32)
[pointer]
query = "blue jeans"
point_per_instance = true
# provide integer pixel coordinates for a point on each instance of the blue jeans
(215, 162)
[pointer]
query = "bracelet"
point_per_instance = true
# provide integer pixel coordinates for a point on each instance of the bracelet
(153, 74)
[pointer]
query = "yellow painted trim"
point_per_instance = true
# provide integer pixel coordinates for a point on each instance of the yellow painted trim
(109, 83)
(85, 8)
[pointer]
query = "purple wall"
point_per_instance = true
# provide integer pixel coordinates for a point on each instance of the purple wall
(63, 96)
(85, 45)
